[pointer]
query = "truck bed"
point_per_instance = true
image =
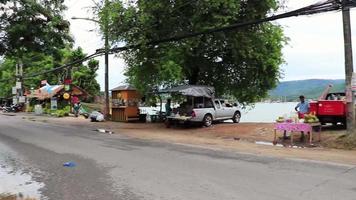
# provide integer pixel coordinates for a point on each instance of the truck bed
(328, 107)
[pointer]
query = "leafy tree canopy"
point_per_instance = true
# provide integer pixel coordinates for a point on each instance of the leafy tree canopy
(34, 33)
(242, 63)
(32, 26)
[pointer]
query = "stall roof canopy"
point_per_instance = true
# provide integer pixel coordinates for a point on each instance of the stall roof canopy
(124, 87)
(191, 90)
(48, 91)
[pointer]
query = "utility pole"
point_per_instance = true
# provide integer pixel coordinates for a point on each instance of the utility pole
(106, 48)
(350, 118)
(106, 36)
(19, 79)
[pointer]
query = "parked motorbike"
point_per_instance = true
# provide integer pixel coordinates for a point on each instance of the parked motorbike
(12, 108)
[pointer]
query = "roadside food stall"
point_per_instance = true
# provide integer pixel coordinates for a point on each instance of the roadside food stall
(125, 102)
(57, 96)
(188, 97)
(292, 124)
(49, 91)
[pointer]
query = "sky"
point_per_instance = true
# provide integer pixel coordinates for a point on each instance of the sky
(315, 48)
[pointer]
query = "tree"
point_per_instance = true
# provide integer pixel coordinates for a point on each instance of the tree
(34, 33)
(85, 76)
(243, 63)
(32, 26)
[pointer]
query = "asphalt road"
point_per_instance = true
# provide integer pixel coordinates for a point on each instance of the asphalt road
(117, 167)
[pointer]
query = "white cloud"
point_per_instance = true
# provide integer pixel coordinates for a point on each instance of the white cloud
(316, 44)
(315, 49)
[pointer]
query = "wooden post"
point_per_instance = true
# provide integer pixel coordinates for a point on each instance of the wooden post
(291, 138)
(311, 136)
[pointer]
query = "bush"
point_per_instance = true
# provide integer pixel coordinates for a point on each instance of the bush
(66, 109)
(30, 108)
(47, 111)
(58, 113)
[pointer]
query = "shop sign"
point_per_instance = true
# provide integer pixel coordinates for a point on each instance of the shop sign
(353, 82)
(18, 85)
(53, 103)
(66, 96)
(67, 88)
(22, 99)
(14, 100)
(67, 84)
(348, 95)
(67, 81)
(14, 90)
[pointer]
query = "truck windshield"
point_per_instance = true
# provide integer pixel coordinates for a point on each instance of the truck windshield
(336, 96)
(217, 103)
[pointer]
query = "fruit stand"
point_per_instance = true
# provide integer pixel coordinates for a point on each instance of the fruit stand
(308, 125)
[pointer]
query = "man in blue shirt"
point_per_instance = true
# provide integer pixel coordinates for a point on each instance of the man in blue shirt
(302, 107)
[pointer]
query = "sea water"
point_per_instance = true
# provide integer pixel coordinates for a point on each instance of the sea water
(267, 112)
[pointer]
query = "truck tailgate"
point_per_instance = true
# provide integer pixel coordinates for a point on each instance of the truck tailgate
(331, 107)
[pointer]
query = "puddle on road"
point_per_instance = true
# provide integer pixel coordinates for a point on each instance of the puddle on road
(13, 179)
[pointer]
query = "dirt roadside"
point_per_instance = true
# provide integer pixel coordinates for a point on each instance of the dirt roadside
(224, 136)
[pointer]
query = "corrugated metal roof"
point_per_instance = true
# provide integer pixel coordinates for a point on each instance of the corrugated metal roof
(124, 87)
(191, 90)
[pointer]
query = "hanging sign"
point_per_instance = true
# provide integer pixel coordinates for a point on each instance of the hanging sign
(67, 88)
(14, 90)
(66, 96)
(348, 95)
(67, 84)
(18, 85)
(22, 99)
(53, 103)
(14, 100)
(67, 81)
(353, 82)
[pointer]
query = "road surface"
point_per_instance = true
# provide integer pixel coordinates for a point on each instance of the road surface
(116, 167)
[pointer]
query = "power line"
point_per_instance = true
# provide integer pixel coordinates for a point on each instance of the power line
(327, 6)
(69, 65)
(330, 5)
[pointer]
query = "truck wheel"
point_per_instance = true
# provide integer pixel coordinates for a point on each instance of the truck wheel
(208, 120)
(236, 118)
(344, 124)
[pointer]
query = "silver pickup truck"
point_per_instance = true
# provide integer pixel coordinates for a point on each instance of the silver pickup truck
(207, 112)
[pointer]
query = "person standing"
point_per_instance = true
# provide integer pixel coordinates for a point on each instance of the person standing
(168, 107)
(302, 107)
(76, 108)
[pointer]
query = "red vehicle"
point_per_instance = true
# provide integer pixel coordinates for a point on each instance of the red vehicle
(330, 108)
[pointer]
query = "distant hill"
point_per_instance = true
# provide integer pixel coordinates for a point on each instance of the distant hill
(311, 88)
